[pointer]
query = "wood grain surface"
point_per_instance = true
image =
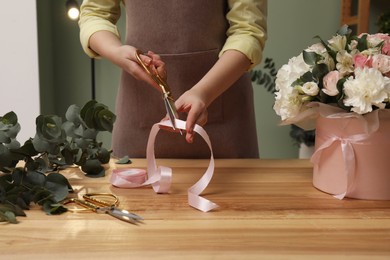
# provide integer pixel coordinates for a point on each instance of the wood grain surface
(268, 209)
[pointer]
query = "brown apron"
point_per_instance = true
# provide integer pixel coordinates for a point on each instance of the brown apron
(188, 35)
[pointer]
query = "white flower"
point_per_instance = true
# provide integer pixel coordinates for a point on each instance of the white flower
(287, 103)
(288, 100)
(290, 72)
(338, 43)
(344, 63)
(319, 49)
(310, 88)
(368, 88)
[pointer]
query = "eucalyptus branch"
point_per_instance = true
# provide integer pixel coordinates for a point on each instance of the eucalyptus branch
(56, 144)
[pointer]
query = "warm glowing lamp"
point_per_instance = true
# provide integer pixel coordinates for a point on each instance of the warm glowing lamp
(73, 9)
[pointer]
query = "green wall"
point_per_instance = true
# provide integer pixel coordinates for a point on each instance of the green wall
(65, 72)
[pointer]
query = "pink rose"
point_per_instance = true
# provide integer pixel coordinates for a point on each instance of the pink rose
(381, 62)
(361, 61)
(381, 37)
(386, 42)
(386, 48)
(330, 83)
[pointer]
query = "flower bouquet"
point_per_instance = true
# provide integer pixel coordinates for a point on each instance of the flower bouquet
(341, 87)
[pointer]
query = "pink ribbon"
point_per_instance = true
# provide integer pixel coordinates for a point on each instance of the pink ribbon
(348, 155)
(160, 177)
(165, 173)
(128, 178)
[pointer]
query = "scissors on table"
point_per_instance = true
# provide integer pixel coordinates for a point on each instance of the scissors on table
(167, 95)
(104, 203)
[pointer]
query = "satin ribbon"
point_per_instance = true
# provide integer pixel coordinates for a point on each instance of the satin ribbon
(348, 156)
(160, 177)
(128, 178)
(164, 173)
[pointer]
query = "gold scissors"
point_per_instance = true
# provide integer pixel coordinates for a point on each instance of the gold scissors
(104, 203)
(169, 102)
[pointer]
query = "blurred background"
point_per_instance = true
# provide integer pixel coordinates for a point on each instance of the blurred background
(67, 75)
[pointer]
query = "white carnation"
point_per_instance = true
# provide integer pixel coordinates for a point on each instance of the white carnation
(290, 72)
(368, 88)
(287, 103)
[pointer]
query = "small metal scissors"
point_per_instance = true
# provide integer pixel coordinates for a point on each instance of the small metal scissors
(167, 95)
(104, 203)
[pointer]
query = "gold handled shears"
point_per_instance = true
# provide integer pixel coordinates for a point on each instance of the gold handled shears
(169, 102)
(104, 203)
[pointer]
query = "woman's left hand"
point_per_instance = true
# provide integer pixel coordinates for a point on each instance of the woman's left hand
(192, 103)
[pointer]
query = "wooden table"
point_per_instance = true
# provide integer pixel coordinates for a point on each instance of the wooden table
(268, 210)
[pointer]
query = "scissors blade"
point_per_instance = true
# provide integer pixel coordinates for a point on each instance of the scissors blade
(123, 215)
(171, 110)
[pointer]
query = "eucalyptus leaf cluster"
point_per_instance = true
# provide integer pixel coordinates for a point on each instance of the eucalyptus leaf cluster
(30, 172)
(265, 76)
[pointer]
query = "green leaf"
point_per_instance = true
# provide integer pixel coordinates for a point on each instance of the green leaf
(93, 168)
(362, 43)
(89, 105)
(82, 143)
(69, 128)
(39, 144)
(27, 149)
(4, 138)
(14, 144)
(52, 208)
(319, 71)
(73, 115)
(124, 160)
(310, 58)
(18, 175)
(307, 77)
(59, 191)
(14, 130)
(90, 133)
(106, 120)
(35, 178)
(344, 30)
(49, 127)
(9, 119)
(68, 154)
(59, 179)
(8, 216)
(6, 157)
(103, 155)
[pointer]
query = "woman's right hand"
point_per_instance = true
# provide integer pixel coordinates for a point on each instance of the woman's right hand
(109, 46)
(125, 58)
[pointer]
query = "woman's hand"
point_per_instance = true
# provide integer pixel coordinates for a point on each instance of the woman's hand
(109, 46)
(125, 57)
(195, 106)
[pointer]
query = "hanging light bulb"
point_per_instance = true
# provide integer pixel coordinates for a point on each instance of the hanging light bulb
(73, 9)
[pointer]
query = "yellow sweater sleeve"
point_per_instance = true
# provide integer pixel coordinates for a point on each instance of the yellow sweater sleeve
(97, 15)
(247, 30)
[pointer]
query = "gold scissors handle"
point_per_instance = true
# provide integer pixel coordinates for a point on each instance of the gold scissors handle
(92, 202)
(154, 75)
(169, 102)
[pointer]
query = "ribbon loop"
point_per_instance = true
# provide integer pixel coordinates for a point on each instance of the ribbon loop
(160, 177)
(194, 198)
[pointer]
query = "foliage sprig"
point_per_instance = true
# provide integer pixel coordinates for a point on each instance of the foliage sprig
(29, 173)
